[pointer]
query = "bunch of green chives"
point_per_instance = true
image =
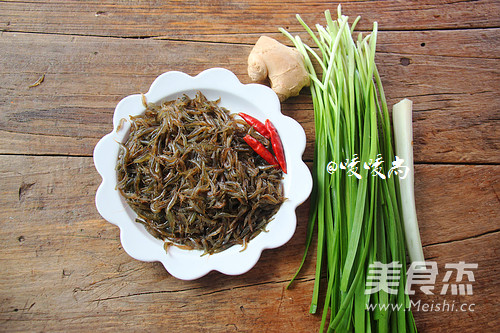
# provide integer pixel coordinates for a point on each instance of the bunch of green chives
(355, 210)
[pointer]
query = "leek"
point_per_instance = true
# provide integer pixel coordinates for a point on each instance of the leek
(356, 206)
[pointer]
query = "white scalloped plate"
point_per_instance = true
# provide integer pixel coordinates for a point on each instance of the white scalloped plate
(255, 99)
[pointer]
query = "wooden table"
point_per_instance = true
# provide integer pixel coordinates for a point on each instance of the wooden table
(62, 267)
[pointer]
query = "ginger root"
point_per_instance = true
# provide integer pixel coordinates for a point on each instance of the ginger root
(282, 64)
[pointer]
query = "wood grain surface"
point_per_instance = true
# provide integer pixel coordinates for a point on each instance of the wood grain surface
(62, 267)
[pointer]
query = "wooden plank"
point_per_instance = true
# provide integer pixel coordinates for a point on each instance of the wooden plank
(471, 192)
(477, 43)
(63, 265)
(454, 198)
(454, 96)
(178, 19)
(135, 296)
(464, 313)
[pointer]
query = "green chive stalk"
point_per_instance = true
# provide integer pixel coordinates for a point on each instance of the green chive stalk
(355, 207)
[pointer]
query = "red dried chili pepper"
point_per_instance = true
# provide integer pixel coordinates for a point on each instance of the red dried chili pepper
(256, 123)
(277, 145)
(260, 149)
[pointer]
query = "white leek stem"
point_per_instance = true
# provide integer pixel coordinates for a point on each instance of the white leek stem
(403, 135)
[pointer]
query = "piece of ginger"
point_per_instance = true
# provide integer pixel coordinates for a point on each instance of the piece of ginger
(282, 64)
